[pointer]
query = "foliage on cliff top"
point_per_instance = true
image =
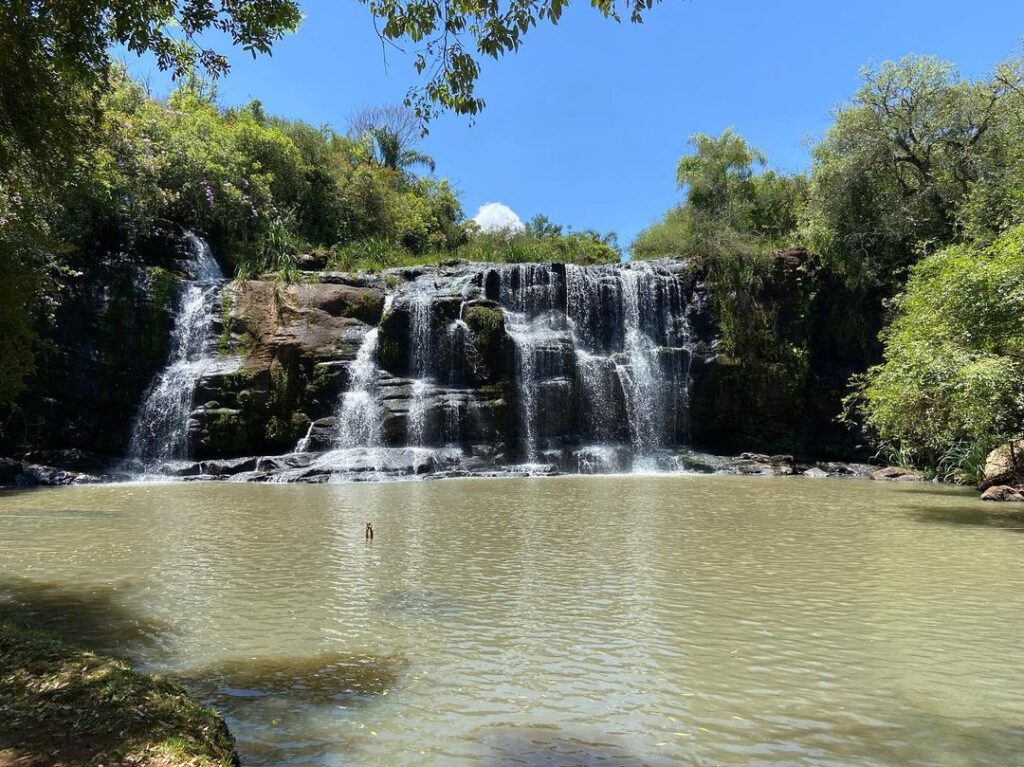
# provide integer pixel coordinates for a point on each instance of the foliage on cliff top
(258, 187)
(539, 242)
(919, 158)
(62, 705)
(952, 382)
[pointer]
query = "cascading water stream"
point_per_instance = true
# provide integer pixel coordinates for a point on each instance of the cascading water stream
(598, 357)
(421, 332)
(643, 382)
(359, 420)
(160, 431)
(625, 323)
(528, 296)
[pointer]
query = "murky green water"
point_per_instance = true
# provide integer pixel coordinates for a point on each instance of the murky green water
(580, 620)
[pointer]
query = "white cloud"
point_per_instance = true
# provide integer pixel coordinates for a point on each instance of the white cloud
(496, 217)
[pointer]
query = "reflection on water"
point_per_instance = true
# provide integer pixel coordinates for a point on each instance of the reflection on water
(266, 699)
(98, 617)
(1008, 519)
(580, 620)
(329, 676)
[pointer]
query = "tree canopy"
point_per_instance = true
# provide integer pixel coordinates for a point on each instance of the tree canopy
(951, 386)
(54, 58)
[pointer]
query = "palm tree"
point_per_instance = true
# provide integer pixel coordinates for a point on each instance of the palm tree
(390, 135)
(393, 153)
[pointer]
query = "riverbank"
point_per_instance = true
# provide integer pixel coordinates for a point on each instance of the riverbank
(63, 707)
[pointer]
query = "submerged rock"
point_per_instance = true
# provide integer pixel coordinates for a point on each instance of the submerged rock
(229, 466)
(1003, 493)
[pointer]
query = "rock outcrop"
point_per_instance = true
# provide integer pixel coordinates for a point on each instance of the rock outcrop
(1003, 466)
(896, 474)
(286, 353)
(105, 337)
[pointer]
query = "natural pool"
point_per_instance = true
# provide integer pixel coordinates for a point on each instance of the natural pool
(614, 620)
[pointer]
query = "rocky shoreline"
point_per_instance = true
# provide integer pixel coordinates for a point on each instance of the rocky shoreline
(414, 463)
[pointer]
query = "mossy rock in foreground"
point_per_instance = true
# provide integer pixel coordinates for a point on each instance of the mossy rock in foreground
(60, 705)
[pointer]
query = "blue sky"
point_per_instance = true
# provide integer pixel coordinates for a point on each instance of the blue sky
(585, 124)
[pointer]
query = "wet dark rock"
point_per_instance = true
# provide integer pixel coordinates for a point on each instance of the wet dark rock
(321, 435)
(250, 476)
(289, 461)
(112, 311)
(71, 459)
(35, 474)
(287, 355)
(180, 469)
(201, 478)
(229, 466)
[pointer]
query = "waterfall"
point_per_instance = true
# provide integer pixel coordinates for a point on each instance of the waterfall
(528, 294)
(526, 371)
(586, 369)
(160, 431)
(416, 425)
(359, 420)
(630, 336)
(643, 382)
(421, 333)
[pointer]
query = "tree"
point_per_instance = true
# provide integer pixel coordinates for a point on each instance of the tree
(453, 36)
(951, 385)
(901, 157)
(718, 178)
(392, 154)
(54, 58)
(541, 226)
(730, 209)
(391, 134)
(394, 118)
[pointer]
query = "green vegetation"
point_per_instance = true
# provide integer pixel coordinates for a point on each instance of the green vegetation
(922, 174)
(69, 706)
(586, 247)
(730, 211)
(951, 386)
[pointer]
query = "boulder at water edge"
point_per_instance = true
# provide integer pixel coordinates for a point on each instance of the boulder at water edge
(1004, 465)
(1003, 493)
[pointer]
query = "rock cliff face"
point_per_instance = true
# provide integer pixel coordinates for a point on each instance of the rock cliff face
(458, 368)
(475, 367)
(106, 337)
